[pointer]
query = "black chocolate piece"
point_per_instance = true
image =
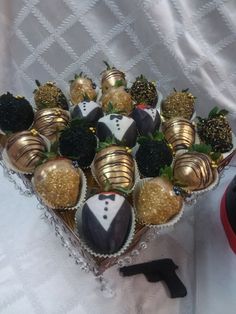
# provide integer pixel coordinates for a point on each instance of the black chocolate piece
(159, 270)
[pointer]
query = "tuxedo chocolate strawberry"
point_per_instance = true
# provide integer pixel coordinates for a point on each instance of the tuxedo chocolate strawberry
(106, 221)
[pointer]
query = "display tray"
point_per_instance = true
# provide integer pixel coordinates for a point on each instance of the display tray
(64, 223)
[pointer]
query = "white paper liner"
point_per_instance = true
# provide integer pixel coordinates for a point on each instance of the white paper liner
(9, 165)
(136, 174)
(168, 224)
(85, 245)
(159, 101)
(82, 196)
(210, 187)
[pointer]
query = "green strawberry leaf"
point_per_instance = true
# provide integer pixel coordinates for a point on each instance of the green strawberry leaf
(86, 97)
(142, 139)
(118, 83)
(123, 191)
(213, 112)
(201, 148)
(200, 119)
(167, 172)
(158, 136)
(110, 107)
(215, 156)
(78, 122)
(223, 112)
(108, 142)
(141, 78)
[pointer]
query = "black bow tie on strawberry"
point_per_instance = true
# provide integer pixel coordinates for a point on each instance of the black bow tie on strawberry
(116, 116)
(102, 197)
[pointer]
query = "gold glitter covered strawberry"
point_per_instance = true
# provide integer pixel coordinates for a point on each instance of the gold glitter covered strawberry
(117, 100)
(110, 77)
(178, 104)
(156, 201)
(114, 167)
(82, 87)
(49, 95)
(58, 183)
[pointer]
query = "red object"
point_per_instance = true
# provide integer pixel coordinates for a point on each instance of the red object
(231, 235)
(142, 106)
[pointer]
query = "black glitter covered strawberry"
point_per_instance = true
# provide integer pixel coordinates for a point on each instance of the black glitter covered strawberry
(78, 142)
(215, 130)
(16, 113)
(153, 154)
(144, 91)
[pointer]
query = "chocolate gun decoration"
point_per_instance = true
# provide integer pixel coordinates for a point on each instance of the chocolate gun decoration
(159, 270)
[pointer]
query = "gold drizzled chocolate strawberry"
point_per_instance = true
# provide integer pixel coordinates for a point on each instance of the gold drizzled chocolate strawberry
(25, 150)
(110, 77)
(179, 132)
(113, 167)
(50, 121)
(194, 171)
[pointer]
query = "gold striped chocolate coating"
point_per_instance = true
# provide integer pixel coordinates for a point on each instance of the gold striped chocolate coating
(194, 171)
(179, 132)
(110, 77)
(25, 150)
(115, 164)
(50, 121)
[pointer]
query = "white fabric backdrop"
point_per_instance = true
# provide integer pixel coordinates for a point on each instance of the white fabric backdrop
(180, 44)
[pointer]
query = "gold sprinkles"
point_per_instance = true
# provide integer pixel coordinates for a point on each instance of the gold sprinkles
(157, 202)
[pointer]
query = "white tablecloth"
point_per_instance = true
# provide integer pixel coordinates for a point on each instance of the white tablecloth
(179, 43)
(37, 276)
